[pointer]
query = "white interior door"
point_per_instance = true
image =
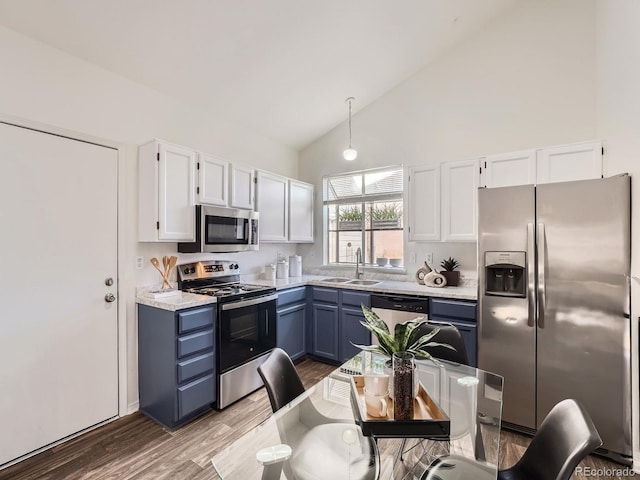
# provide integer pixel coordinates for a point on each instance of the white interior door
(58, 347)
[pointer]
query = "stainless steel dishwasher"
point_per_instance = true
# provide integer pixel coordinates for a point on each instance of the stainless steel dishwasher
(394, 309)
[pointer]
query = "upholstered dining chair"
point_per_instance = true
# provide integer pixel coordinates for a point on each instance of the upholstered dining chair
(322, 447)
(450, 335)
(565, 437)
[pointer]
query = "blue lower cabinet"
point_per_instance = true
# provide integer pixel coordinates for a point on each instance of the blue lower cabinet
(335, 323)
(462, 315)
(324, 330)
(290, 330)
(352, 331)
(176, 363)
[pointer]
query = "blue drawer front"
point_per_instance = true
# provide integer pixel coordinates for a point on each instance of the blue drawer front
(193, 367)
(195, 342)
(355, 299)
(321, 294)
(453, 309)
(293, 295)
(196, 395)
(195, 319)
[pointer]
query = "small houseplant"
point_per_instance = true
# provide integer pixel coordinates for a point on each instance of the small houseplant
(407, 342)
(449, 271)
(405, 338)
(350, 218)
(386, 215)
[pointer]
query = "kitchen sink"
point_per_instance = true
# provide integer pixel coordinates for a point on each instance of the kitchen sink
(363, 282)
(335, 280)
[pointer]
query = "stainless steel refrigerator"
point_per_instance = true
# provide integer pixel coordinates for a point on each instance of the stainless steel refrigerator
(554, 301)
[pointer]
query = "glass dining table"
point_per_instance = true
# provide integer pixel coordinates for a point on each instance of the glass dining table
(470, 398)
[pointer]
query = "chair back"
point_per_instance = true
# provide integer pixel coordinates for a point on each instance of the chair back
(450, 335)
(280, 379)
(567, 435)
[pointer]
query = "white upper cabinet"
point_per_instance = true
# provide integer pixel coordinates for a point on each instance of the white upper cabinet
(581, 161)
(212, 180)
(166, 193)
(508, 169)
(272, 203)
(424, 203)
(460, 182)
(241, 186)
(300, 212)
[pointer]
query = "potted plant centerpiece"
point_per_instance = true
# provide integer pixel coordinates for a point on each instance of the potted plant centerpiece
(405, 337)
(449, 271)
(400, 347)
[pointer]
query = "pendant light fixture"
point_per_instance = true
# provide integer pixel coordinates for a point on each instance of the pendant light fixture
(350, 153)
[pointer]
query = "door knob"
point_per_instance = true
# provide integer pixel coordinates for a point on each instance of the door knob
(109, 297)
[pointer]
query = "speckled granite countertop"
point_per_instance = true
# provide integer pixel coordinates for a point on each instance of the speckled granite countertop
(175, 302)
(186, 300)
(385, 286)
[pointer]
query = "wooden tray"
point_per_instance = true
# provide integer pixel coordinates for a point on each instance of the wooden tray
(429, 421)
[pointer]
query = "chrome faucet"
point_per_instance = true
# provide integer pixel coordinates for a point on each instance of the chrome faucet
(359, 259)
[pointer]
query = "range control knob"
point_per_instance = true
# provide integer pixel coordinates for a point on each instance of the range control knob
(186, 271)
(234, 266)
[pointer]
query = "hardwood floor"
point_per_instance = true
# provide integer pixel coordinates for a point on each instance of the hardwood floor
(136, 448)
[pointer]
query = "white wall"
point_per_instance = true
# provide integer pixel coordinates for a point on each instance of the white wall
(618, 102)
(527, 80)
(41, 84)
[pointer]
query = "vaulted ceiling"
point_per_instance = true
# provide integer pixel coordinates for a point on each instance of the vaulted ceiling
(281, 67)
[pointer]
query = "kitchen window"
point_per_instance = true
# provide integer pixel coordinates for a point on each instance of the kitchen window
(364, 210)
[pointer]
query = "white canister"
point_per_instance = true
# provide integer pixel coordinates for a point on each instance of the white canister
(270, 272)
(282, 269)
(295, 266)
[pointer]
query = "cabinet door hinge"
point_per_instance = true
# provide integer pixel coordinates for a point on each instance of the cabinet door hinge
(485, 164)
(198, 166)
(602, 150)
(198, 190)
(409, 228)
(158, 156)
(255, 180)
(480, 170)
(157, 225)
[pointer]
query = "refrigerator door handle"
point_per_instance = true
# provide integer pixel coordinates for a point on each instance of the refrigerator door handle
(531, 279)
(542, 290)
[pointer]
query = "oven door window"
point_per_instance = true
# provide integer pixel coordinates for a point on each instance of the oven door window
(225, 230)
(246, 333)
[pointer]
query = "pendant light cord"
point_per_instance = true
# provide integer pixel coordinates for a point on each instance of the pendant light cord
(350, 123)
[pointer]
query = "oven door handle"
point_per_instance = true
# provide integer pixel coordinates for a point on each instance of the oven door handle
(248, 303)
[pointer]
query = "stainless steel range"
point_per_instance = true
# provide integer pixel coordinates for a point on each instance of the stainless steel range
(246, 324)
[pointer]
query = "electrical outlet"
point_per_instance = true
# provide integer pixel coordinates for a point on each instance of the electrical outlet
(430, 258)
(139, 263)
(412, 257)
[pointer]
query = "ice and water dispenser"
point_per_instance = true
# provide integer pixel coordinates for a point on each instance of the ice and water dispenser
(505, 274)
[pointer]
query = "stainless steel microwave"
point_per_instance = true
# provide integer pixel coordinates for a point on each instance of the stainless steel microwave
(221, 229)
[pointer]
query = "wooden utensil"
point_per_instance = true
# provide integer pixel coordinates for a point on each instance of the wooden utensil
(172, 264)
(156, 263)
(165, 264)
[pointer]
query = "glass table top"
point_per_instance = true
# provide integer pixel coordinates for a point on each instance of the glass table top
(471, 398)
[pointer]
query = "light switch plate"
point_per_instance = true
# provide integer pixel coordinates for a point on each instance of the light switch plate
(430, 258)
(139, 263)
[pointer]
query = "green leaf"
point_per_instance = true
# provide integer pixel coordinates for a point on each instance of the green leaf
(405, 337)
